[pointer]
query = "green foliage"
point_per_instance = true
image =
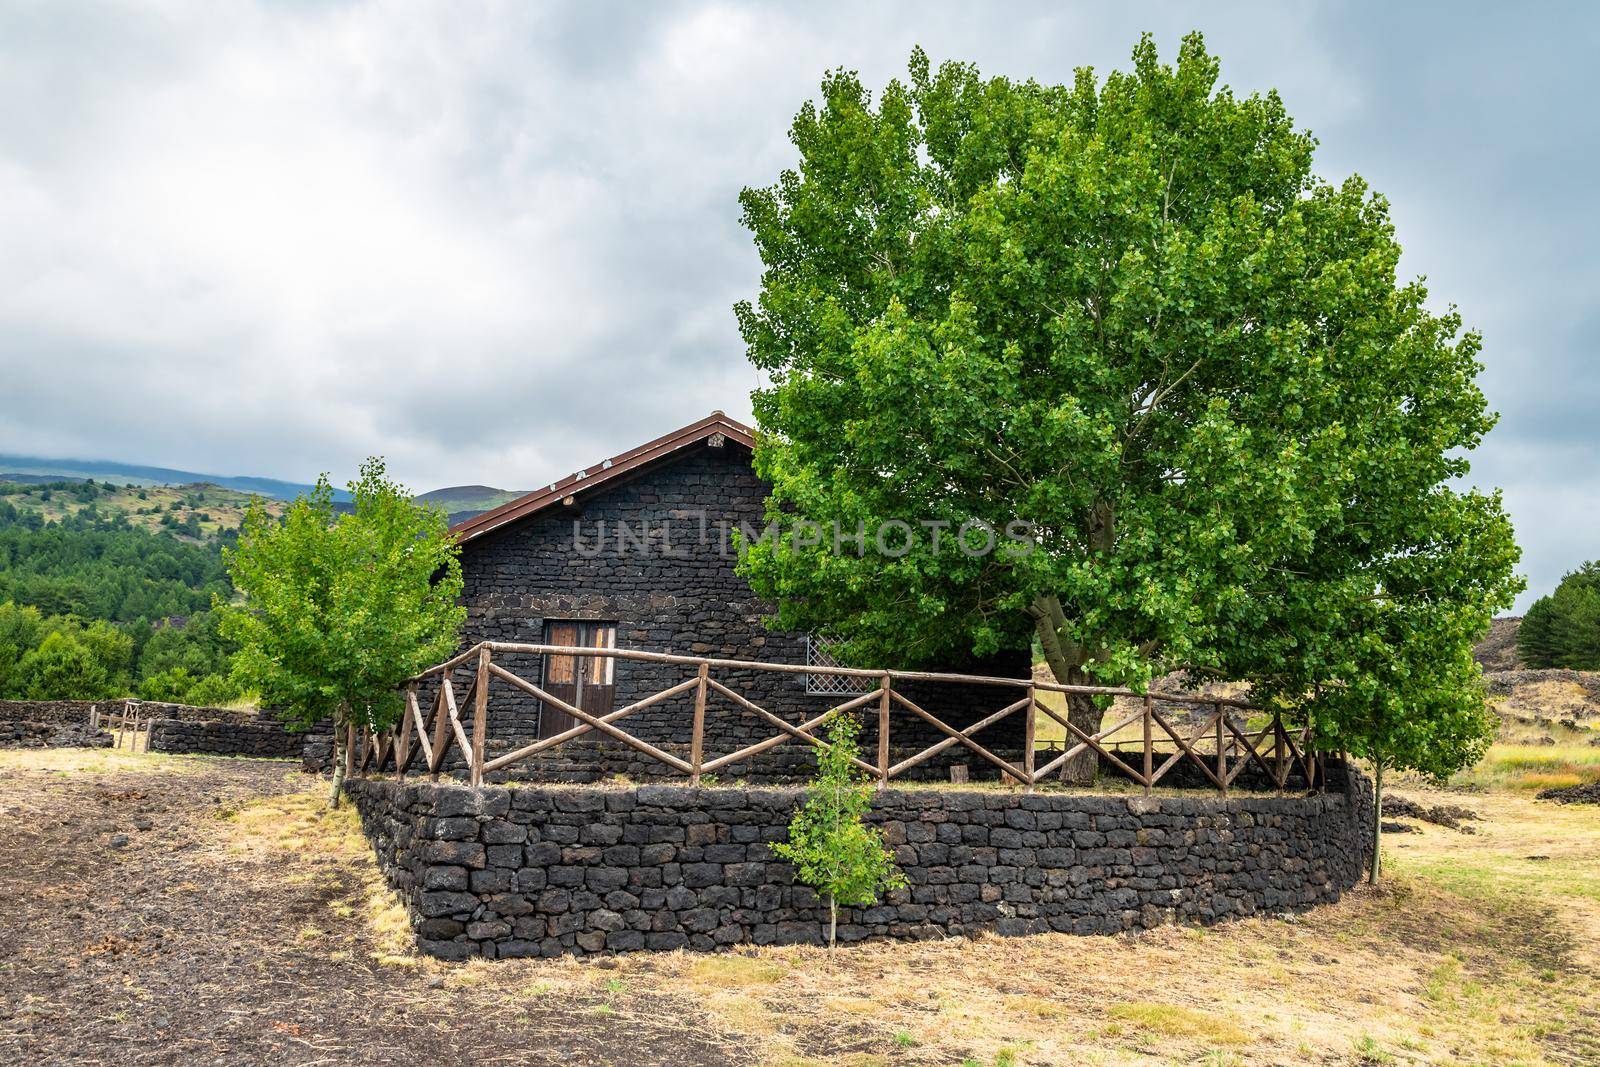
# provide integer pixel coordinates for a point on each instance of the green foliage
(169, 686)
(1563, 628)
(21, 630)
(1127, 314)
(830, 844)
(100, 567)
(198, 647)
(73, 660)
(341, 608)
(68, 658)
(176, 685)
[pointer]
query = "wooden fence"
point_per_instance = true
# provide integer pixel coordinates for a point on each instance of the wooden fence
(1220, 745)
(128, 725)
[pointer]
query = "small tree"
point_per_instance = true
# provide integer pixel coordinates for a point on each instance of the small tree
(340, 609)
(1409, 696)
(66, 668)
(836, 852)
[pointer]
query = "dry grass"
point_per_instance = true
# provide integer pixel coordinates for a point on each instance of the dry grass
(67, 761)
(1530, 768)
(298, 826)
(1480, 948)
(1467, 955)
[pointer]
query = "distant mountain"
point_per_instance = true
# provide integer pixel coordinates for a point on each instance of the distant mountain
(459, 501)
(458, 498)
(31, 468)
(462, 502)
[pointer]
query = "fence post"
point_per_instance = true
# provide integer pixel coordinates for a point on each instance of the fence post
(1149, 751)
(1222, 753)
(404, 742)
(1029, 725)
(883, 732)
(697, 742)
(480, 716)
(441, 727)
(1280, 778)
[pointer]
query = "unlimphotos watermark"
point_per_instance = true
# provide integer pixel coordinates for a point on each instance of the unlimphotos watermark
(687, 532)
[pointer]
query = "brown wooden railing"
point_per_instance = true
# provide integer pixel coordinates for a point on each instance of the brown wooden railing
(1220, 745)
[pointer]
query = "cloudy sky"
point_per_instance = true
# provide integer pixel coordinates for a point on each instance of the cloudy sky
(496, 242)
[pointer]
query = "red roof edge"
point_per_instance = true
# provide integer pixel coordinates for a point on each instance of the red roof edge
(600, 473)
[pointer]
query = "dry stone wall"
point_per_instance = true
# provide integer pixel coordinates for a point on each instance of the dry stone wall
(52, 723)
(551, 870)
(261, 738)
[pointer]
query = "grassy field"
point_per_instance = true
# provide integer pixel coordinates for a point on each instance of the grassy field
(1480, 948)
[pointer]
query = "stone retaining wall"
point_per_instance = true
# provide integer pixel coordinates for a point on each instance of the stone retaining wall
(549, 870)
(52, 723)
(175, 728)
(226, 737)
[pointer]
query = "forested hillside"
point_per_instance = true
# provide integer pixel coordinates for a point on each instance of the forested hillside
(100, 566)
(107, 591)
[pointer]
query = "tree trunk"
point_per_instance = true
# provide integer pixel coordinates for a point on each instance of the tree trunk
(341, 754)
(1066, 660)
(1377, 819)
(1086, 715)
(833, 921)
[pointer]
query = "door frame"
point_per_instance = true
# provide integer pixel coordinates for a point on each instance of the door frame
(585, 669)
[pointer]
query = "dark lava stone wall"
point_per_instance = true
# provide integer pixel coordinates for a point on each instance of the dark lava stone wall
(52, 723)
(178, 728)
(226, 737)
(551, 870)
(678, 594)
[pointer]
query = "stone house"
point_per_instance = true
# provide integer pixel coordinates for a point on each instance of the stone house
(637, 552)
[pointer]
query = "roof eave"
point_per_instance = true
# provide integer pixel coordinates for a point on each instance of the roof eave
(605, 472)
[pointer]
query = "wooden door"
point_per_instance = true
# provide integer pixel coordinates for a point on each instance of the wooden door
(585, 682)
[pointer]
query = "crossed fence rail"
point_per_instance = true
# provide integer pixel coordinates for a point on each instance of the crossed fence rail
(1220, 745)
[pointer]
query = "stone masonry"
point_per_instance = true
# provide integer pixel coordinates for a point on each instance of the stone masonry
(678, 593)
(52, 723)
(262, 737)
(551, 870)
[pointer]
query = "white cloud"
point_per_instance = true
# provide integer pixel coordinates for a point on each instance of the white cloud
(497, 241)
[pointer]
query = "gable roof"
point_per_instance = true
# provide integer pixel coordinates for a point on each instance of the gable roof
(607, 470)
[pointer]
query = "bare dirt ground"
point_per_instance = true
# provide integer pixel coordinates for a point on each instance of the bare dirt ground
(190, 945)
(248, 925)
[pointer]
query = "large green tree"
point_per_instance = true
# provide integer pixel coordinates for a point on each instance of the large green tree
(1125, 313)
(340, 609)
